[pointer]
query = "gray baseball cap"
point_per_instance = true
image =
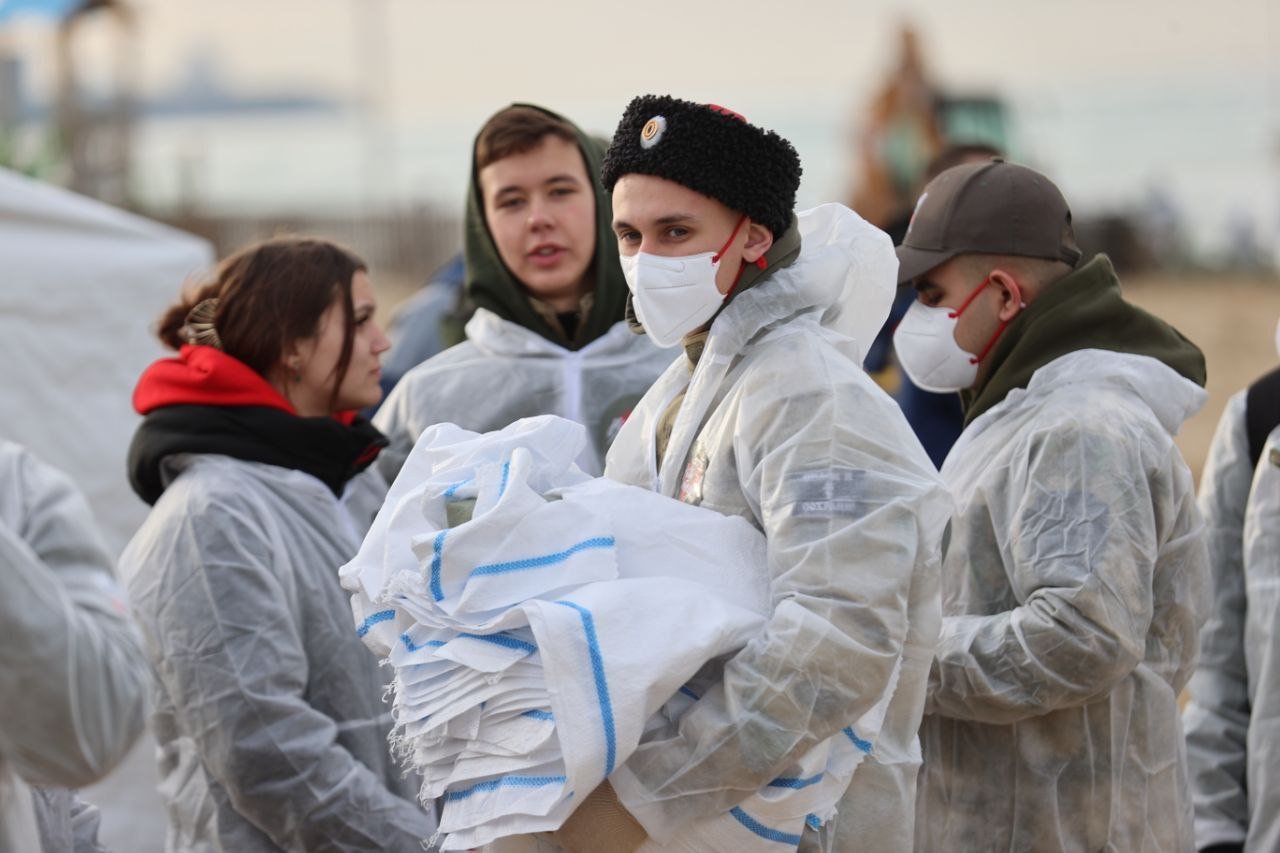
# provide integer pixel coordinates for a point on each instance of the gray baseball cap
(993, 208)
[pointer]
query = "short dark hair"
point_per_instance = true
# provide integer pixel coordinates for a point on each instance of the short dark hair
(269, 295)
(518, 129)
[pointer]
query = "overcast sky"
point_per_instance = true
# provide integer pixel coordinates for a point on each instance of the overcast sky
(426, 58)
(1109, 96)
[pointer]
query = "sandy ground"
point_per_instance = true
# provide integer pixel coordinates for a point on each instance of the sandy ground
(1232, 320)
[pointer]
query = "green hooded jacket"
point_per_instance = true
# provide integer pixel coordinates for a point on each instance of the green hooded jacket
(1083, 310)
(490, 284)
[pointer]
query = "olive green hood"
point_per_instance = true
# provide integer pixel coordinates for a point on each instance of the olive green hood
(1083, 310)
(491, 285)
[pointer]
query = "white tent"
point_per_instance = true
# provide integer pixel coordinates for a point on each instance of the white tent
(82, 286)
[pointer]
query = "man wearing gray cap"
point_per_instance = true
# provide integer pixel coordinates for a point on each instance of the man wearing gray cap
(1073, 587)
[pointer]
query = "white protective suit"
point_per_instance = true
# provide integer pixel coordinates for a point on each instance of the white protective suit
(1231, 716)
(504, 372)
(269, 717)
(1073, 588)
(780, 425)
(72, 674)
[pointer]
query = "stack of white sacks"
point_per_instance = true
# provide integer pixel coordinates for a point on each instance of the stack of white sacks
(533, 641)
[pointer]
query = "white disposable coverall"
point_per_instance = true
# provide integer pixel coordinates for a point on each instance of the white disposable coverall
(781, 425)
(504, 372)
(1231, 718)
(1072, 591)
(73, 678)
(269, 711)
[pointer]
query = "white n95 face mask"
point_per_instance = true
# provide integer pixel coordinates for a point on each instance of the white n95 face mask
(927, 349)
(674, 296)
(925, 342)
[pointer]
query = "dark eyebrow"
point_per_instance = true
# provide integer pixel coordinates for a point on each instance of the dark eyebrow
(669, 219)
(923, 284)
(554, 179)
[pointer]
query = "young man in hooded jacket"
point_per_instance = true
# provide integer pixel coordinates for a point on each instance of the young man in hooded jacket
(770, 416)
(547, 336)
(1074, 581)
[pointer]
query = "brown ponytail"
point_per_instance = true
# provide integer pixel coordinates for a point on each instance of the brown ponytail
(173, 322)
(268, 295)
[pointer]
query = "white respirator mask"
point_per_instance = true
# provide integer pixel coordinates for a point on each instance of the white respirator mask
(925, 342)
(674, 296)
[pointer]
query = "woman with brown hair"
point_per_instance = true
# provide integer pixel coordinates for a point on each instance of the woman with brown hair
(269, 715)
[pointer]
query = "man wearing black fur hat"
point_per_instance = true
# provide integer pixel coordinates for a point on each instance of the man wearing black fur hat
(769, 416)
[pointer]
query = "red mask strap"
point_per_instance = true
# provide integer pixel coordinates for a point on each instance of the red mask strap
(715, 259)
(760, 262)
(737, 278)
(991, 343)
(969, 299)
(1004, 324)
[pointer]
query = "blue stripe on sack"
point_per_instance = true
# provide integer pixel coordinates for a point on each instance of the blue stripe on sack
(506, 475)
(437, 549)
(453, 489)
(413, 647)
(864, 745)
(543, 561)
(373, 619)
(813, 821)
(602, 687)
(539, 715)
(761, 830)
(503, 640)
(686, 691)
(794, 782)
(503, 782)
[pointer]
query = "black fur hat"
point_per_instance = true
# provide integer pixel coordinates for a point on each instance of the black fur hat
(710, 150)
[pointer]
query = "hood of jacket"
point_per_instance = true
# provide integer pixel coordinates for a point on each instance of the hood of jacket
(205, 401)
(845, 273)
(491, 285)
(1083, 310)
(1171, 397)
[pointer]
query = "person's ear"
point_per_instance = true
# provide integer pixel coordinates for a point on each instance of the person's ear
(292, 360)
(1010, 293)
(759, 241)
